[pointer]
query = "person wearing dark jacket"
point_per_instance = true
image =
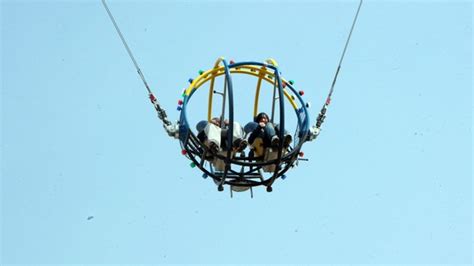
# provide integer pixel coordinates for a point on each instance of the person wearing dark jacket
(267, 131)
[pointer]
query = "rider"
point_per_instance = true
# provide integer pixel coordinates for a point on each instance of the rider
(267, 131)
(215, 137)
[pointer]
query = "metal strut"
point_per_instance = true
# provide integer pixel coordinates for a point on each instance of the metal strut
(171, 129)
(315, 130)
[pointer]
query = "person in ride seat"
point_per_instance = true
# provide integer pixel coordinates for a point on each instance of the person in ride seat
(215, 137)
(263, 129)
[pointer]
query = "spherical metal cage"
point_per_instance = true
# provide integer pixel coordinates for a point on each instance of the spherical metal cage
(242, 171)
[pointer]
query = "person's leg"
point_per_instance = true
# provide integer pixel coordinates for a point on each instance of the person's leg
(200, 129)
(270, 138)
(238, 132)
(202, 136)
(287, 136)
(238, 135)
(250, 127)
(201, 125)
(213, 134)
(224, 145)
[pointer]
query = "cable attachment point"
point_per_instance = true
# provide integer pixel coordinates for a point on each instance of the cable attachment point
(321, 116)
(161, 112)
(313, 133)
(171, 129)
(316, 129)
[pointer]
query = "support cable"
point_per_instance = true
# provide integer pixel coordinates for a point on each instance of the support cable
(170, 128)
(322, 114)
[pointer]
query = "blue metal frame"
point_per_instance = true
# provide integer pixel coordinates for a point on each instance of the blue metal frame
(194, 147)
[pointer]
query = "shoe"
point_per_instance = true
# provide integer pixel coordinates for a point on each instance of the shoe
(240, 145)
(275, 141)
(213, 148)
(208, 156)
(287, 141)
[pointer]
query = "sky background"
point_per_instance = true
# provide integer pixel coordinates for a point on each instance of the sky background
(89, 176)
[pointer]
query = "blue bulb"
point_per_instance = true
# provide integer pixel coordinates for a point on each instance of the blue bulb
(204, 175)
(283, 177)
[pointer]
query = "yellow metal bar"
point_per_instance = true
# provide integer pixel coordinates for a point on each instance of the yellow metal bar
(272, 62)
(211, 90)
(261, 75)
(261, 72)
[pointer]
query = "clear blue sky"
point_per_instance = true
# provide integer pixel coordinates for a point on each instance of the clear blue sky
(388, 181)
